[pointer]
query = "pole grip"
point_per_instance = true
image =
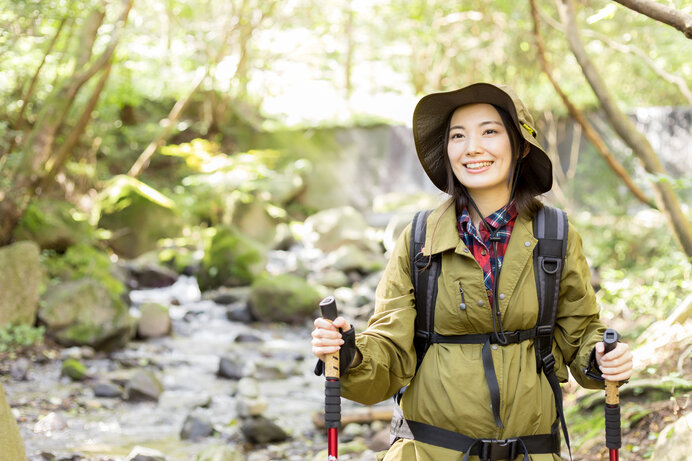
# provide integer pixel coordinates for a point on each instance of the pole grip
(331, 361)
(612, 406)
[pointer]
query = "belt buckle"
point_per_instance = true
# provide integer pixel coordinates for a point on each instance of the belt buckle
(498, 449)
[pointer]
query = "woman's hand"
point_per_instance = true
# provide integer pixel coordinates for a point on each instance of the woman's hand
(616, 365)
(326, 338)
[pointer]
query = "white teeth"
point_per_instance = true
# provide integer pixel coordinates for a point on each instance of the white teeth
(475, 166)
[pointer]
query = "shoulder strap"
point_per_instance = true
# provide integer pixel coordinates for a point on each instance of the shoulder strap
(551, 228)
(424, 274)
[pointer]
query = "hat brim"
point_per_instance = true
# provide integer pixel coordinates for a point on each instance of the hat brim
(432, 113)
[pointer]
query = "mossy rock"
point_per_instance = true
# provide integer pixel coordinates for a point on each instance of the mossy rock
(231, 259)
(220, 453)
(73, 369)
(54, 225)
(283, 298)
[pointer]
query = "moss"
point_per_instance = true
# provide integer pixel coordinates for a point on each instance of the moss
(73, 369)
(285, 298)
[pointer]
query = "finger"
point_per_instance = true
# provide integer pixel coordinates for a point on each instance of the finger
(327, 334)
(321, 322)
(322, 352)
(600, 348)
(621, 350)
(342, 323)
(624, 359)
(625, 375)
(320, 342)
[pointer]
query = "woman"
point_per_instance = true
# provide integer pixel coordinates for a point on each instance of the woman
(479, 145)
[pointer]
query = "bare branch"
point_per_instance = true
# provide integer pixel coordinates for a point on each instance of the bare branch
(662, 13)
(589, 131)
(623, 126)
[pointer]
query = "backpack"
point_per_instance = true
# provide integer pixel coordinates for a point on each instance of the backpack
(550, 228)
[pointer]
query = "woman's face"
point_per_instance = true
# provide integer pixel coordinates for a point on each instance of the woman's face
(480, 152)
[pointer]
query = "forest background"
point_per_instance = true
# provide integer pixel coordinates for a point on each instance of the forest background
(153, 129)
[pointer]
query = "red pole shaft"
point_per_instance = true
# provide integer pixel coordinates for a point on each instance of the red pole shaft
(614, 454)
(332, 444)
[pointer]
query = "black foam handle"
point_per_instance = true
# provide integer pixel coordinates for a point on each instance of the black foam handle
(612, 427)
(328, 307)
(610, 339)
(332, 404)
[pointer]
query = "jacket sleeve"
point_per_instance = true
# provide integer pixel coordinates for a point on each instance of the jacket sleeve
(386, 346)
(578, 327)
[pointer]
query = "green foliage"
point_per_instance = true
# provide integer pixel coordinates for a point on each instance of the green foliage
(73, 369)
(80, 261)
(12, 337)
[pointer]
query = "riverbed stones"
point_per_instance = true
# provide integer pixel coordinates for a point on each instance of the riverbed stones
(145, 454)
(143, 386)
(52, 422)
(73, 369)
(107, 389)
(19, 369)
(154, 321)
(329, 229)
(20, 276)
(83, 312)
(231, 368)
(248, 407)
(283, 298)
(220, 453)
(196, 427)
(259, 429)
(149, 274)
(230, 259)
(248, 388)
(239, 312)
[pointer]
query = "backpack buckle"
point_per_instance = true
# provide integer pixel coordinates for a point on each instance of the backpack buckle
(548, 363)
(498, 449)
(550, 265)
(544, 330)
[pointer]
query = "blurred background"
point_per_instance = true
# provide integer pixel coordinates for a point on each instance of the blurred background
(181, 181)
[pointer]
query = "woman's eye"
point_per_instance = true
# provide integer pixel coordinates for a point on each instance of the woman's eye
(457, 136)
(490, 131)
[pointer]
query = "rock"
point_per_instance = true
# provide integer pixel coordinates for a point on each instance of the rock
(248, 387)
(239, 312)
(220, 453)
(248, 407)
(228, 295)
(674, 441)
(54, 225)
(52, 422)
(73, 369)
(196, 428)
(231, 368)
(230, 259)
(380, 441)
(248, 338)
(137, 215)
(149, 274)
(107, 389)
(283, 298)
(145, 454)
(83, 312)
(20, 277)
(155, 321)
(332, 228)
(352, 258)
(331, 278)
(259, 429)
(253, 218)
(144, 385)
(19, 369)
(268, 372)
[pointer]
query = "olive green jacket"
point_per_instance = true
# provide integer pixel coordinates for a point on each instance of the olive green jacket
(449, 390)
(11, 445)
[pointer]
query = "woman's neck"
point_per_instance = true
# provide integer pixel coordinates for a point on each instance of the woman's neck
(487, 205)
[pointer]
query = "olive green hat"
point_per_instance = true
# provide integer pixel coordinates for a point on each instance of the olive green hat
(433, 111)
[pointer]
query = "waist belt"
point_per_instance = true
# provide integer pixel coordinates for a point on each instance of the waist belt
(485, 449)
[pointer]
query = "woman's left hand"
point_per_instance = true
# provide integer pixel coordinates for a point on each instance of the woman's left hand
(616, 365)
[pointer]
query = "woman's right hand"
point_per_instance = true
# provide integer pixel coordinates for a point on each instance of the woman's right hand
(326, 338)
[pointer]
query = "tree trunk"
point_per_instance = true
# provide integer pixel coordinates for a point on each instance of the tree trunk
(668, 201)
(662, 13)
(589, 131)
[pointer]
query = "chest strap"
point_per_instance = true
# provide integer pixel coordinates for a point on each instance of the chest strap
(513, 337)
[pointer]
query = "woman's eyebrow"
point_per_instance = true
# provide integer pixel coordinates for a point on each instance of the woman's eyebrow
(486, 122)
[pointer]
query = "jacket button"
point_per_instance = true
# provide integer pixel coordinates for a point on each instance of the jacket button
(527, 244)
(462, 306)
(483, 252)
(494, 347)
(502, 296)
(466, 250)
(480, 302)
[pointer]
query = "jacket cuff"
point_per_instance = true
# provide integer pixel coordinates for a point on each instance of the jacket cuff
(592, 370)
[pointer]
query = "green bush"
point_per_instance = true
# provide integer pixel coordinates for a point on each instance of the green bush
(13, 337)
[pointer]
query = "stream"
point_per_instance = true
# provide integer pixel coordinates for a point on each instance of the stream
(81, 426)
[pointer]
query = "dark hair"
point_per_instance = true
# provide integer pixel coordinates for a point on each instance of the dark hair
(525, 192)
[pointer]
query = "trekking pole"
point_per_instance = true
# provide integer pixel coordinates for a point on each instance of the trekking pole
(332, 387)
(612, 402)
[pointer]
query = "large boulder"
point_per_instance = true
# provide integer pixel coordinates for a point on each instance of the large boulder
(231, 259)
(137, 215)
(55, 225)
(154, 321)
(674, 441)
(254, 218)
(283, 298)
(20, 276)
(83, 312)
(332, 228)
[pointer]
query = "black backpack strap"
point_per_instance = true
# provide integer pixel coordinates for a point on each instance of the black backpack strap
(551, 228)
(425, 271)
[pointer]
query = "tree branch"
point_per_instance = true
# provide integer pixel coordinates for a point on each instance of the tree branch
(623, 126)
(589, 131)
(662, 13)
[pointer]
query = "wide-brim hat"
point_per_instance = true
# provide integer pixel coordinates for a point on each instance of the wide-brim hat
(433, 111)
